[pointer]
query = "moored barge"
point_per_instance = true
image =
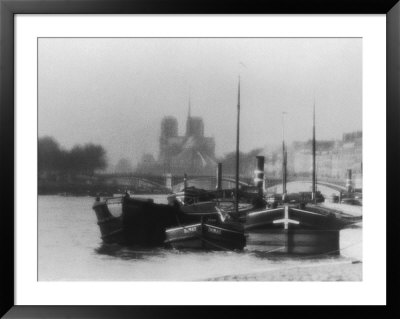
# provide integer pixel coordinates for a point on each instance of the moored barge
(206, 236)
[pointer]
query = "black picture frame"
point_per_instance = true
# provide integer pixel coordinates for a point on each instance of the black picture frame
(8, 8)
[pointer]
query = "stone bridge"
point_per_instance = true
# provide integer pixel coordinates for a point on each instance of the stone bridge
(175, 183)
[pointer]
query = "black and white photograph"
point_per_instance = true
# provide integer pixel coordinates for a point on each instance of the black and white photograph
(200, 159)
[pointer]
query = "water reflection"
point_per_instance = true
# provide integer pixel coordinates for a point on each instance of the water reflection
(129, 253)
(140, 253)
(279, 257)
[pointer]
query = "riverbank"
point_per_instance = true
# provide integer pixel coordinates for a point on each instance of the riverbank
(342, 271)
(93, 190)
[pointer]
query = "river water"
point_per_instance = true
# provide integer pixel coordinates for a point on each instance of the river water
(70, 249)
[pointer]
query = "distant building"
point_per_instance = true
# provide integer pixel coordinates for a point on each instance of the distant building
(300, 157)
(123, 166)
(333, 158)
(192, 153)
(147, 164)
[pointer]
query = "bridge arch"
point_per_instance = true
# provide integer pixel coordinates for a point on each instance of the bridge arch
(293, 186)
(208, 183)
(133, 181)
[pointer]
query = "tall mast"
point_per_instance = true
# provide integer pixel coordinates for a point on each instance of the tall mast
(189, 131)
(189, 108)
(237, 152)
(188, 121)
(314, 175)
(284, 157)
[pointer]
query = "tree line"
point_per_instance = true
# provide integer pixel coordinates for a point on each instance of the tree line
(80, 159)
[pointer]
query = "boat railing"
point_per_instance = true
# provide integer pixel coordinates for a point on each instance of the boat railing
(219, 201)
(113, 200)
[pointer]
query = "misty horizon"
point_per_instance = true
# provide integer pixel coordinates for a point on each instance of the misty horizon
(269, 149)
(115, 92)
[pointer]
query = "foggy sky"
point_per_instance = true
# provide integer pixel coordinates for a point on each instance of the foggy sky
(115, 92)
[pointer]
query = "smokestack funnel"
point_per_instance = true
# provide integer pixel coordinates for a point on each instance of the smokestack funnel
(184, 181)
(219, 177)
(349, 181)
(168, 181)
(259, 175)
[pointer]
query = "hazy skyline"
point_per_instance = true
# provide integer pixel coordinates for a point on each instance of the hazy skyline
(115, 92)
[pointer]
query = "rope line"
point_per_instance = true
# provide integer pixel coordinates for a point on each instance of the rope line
(336, 250)
(322, 254)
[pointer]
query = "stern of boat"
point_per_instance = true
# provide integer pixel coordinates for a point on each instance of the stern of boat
(111, 228)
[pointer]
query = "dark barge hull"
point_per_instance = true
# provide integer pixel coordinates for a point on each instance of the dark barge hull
(142, 222)
(205, 236)
(291, 230)
(294, 241)
(111, 227)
